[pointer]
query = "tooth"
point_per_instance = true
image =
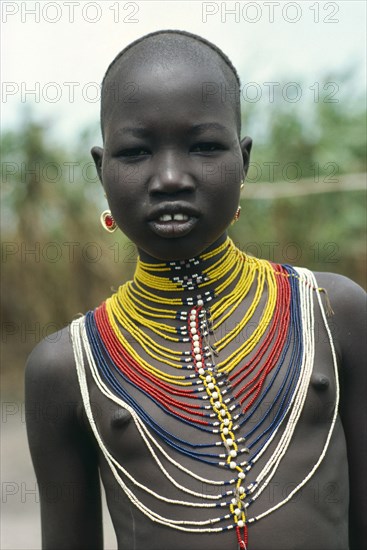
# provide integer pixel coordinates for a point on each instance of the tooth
(165, 218)
(180, 217)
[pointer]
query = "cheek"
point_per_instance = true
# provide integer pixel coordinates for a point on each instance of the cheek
(110, 169)
(225, 191)
(228, 178)
(227, 170)
(121, 183)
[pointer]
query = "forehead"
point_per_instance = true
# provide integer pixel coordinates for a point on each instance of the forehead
(179, 89)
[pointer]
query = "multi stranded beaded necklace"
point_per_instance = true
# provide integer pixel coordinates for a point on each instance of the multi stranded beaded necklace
(215, 396)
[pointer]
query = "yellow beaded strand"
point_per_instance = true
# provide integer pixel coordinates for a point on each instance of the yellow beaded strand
(128, 308)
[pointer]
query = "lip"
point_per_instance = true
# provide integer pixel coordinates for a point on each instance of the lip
(173, 228)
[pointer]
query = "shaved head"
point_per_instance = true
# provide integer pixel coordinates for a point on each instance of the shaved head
(165, 49)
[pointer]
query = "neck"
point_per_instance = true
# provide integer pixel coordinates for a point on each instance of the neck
(188, 279)
(149, 259)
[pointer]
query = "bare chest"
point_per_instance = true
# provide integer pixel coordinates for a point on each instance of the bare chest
(212, 427)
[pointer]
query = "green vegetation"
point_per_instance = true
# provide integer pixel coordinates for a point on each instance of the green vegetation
(318, 142)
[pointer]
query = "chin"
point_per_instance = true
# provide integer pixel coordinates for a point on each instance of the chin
(179, 249)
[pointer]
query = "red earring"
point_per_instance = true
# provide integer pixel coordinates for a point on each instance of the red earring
(107, 221)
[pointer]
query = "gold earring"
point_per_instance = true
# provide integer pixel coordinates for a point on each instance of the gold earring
(107, 221)
(236, 217)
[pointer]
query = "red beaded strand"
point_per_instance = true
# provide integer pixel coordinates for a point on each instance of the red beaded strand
(170, 397)
(149, 383)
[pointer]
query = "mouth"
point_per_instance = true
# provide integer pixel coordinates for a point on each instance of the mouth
(175, 224)
(173, 217)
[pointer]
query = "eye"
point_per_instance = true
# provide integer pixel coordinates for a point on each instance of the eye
(134, 152)
(206, 147)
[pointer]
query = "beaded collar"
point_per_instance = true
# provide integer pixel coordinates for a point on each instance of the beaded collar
(172, 313)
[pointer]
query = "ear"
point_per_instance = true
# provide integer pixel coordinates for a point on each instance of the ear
(246, 145)
(97, 154)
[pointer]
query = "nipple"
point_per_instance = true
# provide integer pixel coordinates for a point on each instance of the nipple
(320, 381)
(121, 418)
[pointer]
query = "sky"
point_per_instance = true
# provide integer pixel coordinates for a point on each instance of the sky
(54, 54)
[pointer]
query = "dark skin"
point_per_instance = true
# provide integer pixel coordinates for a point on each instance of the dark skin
(167, 161)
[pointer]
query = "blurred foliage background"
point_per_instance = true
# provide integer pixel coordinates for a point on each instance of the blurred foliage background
(304, 204)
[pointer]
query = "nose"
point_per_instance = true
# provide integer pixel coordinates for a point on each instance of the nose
(170, 175)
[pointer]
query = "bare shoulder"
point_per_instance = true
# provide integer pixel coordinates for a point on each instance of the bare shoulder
(50, 375)
(349, 305)
(341, 288)
(346, 296)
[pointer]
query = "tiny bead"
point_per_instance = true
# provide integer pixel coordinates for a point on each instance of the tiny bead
(233, 453)
(208, 378)
(241, 475)
(234, 501)
(193, 330)
(193, 312)
(237, 512)
(195, 338)
(230, 442)
(215, 395)
(226, 422)
(201, 371)
(241, 490)
(200, 303)
(199, 365)
(211, 386)
(232, 465)
(198, 357)
(192, 324)
(225, 431)
(240, 523)
(217, 404)
(223, 412)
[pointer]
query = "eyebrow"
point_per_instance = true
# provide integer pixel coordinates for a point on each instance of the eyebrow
(196, 129)
(136, 132)
(199, 128)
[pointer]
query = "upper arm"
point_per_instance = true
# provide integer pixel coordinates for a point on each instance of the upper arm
(348, 324)
(63, 453)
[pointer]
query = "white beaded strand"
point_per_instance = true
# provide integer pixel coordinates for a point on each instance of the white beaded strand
(177, 524)
(333, 422)
(80, 341)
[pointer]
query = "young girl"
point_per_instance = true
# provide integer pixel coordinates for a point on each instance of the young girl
(206, 390)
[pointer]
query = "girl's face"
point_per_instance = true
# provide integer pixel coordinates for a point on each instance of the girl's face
(172, 164)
